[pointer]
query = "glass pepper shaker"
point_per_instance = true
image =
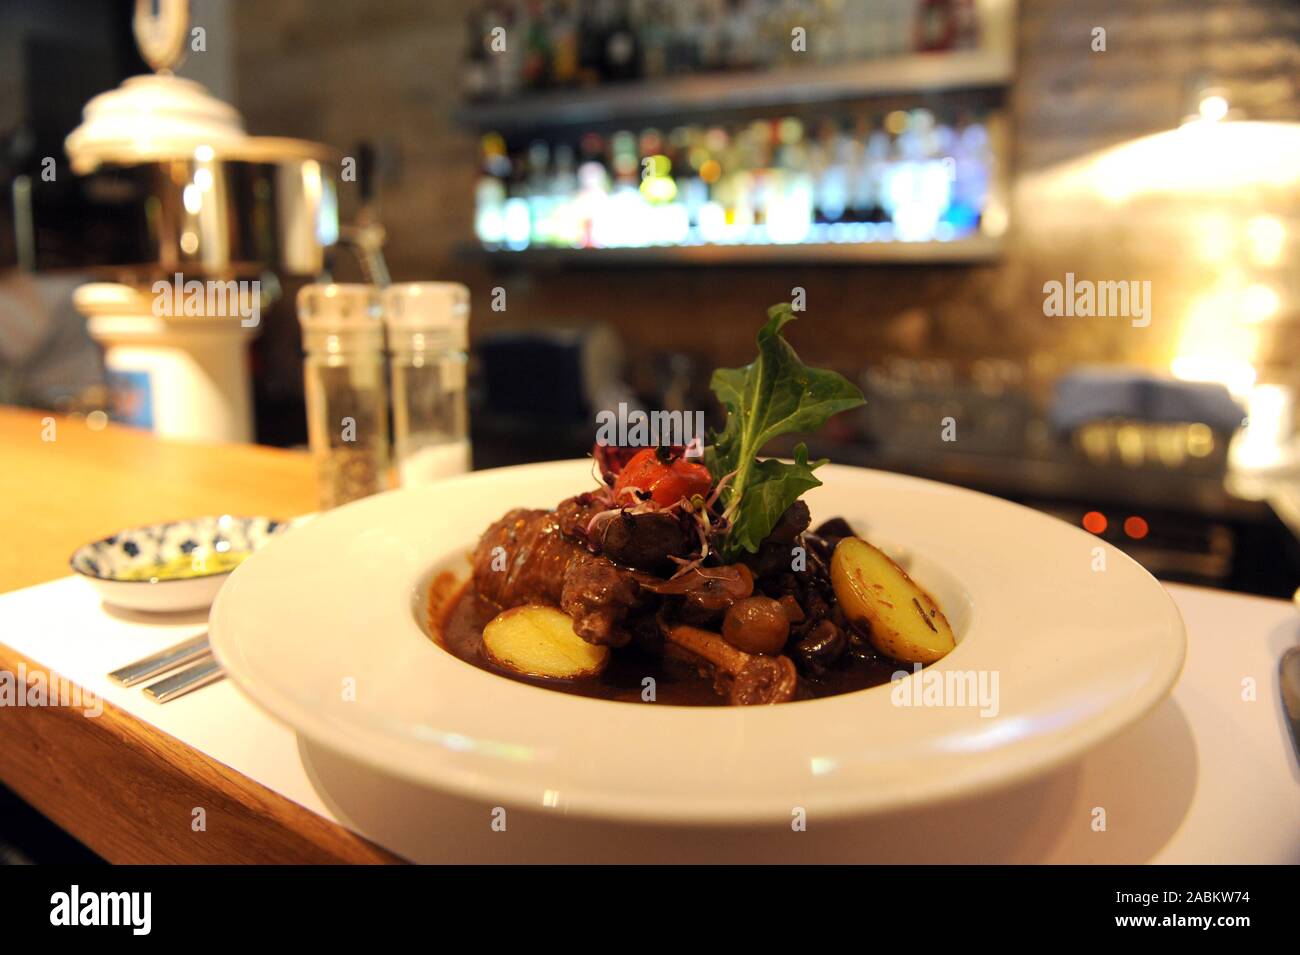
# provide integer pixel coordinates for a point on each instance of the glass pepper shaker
(347, 396)
(428, 334)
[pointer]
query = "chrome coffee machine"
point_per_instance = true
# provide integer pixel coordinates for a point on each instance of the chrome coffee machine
(219, 229)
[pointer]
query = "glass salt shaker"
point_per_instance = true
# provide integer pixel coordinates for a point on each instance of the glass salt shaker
(428, 333)
(347, 396)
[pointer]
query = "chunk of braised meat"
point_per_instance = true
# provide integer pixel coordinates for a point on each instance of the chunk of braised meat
(776, 552)
(836, 529)
(598, 594)
(573, 514)
(521, 559)
(525, 558)
(646, 541)
(791, 524)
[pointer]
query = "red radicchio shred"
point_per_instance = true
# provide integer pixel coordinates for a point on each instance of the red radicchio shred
(611, 460)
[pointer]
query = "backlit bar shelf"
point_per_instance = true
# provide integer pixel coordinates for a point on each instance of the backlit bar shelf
(973, 249)
(911, 73)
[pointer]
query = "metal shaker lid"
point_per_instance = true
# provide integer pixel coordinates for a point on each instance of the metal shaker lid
(427, 315)
(339, 317)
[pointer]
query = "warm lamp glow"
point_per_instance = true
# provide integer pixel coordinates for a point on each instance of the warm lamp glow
(1260, 445)
(1258, 303)
(1213, 108)
(1218, 338)
(1236, 375)
(1214, 237)
(1265, 240)
(1199, 158)
(192, 198)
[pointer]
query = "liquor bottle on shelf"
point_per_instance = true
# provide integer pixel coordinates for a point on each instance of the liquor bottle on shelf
(622, 52)
(505, 61)
(563, 43)
(651, 20)
(829, 195)
(591, 40)
(905, 175)
(687, 163)
(708, 34)
(739, 35)
(516, 220)
(967, 25)
(536, 65)
(568, 227)
(490, 191)
(477, 78)
(686, 28)
(537, 191)
(562, 26)
(936, 25)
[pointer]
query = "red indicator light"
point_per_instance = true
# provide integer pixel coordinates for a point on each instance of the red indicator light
(1135, 527)
(1094, 522)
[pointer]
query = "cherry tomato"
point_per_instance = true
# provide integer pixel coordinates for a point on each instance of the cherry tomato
(666, 483)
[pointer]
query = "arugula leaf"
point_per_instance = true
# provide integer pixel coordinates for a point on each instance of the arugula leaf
(773, 486)
(775, 394)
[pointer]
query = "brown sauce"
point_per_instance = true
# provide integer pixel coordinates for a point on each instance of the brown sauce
(457, 616)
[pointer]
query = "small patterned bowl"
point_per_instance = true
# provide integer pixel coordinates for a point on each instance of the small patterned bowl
(132, 568)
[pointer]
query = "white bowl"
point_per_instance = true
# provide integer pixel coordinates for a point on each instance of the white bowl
(107, 563)
(323, 630)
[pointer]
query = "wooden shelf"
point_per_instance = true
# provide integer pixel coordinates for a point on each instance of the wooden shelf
(958, 251)
(713, 92)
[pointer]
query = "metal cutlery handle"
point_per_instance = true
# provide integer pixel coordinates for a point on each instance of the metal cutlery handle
(168, 659)
(189, 679)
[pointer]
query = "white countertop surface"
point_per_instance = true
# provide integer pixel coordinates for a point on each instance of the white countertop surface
(1209, 777)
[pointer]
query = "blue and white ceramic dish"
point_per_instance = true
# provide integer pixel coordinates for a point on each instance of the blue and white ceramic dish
(179, 565)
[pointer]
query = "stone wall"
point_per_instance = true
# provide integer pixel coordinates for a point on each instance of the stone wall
(390, 72)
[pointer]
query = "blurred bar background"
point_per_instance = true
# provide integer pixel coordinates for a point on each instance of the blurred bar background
(626, 186)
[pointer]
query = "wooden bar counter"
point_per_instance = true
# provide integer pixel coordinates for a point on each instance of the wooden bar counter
(111, 781)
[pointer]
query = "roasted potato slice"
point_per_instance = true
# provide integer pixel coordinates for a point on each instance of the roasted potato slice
(539, 641)
(906, 624)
